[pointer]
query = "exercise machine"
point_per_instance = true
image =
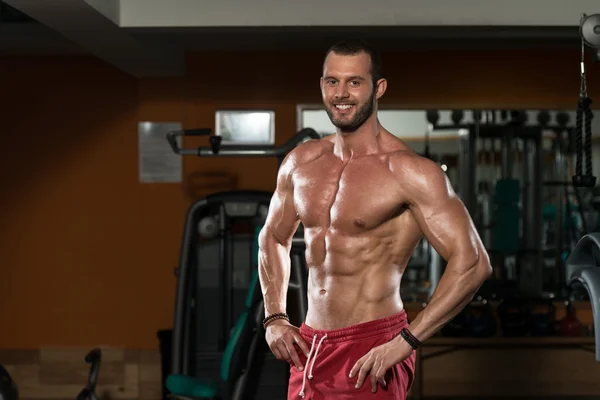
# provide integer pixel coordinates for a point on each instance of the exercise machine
(9, 389)
(585, 275)
(239, 364)
(94, 358)
(218, 301)
(213, 357)
(216, 149)
(582, 262)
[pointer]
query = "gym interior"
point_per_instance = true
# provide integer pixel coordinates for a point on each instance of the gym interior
(141, 143)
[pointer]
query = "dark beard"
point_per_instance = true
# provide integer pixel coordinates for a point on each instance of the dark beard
(360, 116)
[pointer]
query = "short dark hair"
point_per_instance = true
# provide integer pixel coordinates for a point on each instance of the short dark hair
(351, 47)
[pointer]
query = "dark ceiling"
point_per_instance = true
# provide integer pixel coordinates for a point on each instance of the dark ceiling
(142, 51)
(21, 34)
(386, 38)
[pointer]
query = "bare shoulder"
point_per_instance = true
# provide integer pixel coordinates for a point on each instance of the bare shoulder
(305, 153)
(419, 177)
(308, 151)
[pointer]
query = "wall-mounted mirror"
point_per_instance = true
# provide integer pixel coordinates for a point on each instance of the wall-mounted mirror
(513, 170)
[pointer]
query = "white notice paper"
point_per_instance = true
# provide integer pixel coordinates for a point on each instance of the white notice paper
(157, 161)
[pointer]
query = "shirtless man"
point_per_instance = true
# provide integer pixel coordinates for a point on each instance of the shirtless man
(365, 200)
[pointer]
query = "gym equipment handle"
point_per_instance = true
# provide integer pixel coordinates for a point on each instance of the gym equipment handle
(217, 150)
(585, 274)
(172, 139)
(94, 358)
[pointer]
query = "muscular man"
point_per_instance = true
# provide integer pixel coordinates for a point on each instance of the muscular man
(365, 200)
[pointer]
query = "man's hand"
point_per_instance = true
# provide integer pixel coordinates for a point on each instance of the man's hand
(281, 337)
(379, 360)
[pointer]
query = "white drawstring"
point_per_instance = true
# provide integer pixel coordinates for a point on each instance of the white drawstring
(310, 376)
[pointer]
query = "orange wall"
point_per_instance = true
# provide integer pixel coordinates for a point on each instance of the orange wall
(88, 253)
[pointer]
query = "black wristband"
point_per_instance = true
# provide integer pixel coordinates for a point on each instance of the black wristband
(410, 338)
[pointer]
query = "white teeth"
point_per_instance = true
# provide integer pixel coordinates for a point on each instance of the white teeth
(343, 106)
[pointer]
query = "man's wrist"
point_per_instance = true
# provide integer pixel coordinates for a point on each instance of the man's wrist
(409, 338)
(277, 322)
(274, 317)
(402, 347)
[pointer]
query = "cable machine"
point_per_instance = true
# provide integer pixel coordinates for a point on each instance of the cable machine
(583, 262)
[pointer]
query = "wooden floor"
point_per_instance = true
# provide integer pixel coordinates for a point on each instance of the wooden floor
(483, 373)
(61, 373)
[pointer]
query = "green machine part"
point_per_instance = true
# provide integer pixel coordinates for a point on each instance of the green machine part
(197, 387)
(506, 236)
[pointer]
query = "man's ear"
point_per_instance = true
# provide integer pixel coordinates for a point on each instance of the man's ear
(381, 88)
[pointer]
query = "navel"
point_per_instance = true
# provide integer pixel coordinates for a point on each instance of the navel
(322, 292)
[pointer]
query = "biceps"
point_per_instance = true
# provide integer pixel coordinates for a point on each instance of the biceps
(282, 219)
(450, 230)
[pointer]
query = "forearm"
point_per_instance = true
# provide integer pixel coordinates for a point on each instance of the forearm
(455, 290)
(274, 273)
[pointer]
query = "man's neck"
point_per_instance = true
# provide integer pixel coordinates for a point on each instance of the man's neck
(364, 141)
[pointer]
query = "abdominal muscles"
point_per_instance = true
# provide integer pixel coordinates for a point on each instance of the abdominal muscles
(355, 278)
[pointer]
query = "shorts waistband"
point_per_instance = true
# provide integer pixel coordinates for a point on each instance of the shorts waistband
(393, 323)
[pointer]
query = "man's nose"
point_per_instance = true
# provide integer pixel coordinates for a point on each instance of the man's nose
(341, 92)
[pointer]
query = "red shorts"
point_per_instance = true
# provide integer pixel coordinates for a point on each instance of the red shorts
(334, 353)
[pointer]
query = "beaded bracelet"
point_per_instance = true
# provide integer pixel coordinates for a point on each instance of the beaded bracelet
(273, 317)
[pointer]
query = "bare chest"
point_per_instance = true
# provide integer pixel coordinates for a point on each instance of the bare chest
(355, 197)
